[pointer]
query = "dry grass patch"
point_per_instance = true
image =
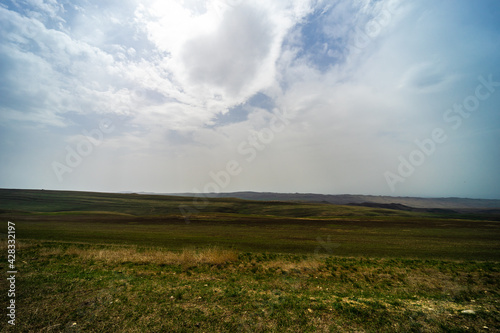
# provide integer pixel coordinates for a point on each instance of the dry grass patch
(309, 265)
(19, 244)
(213, 256)
(47, 252)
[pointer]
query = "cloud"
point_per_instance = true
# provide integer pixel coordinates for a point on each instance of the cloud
(199, 60)
(187, 82)
(230, 58)
(220, 56)
(59, 68)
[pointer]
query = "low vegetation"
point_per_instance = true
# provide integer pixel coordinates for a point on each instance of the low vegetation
(91, 262)
(88, 288)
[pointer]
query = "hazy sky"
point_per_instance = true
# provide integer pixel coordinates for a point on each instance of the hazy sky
(362, 97)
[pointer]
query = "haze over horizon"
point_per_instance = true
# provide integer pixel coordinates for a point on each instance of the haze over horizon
(332, 97)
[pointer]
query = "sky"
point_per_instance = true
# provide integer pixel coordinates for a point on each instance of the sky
(383, 97)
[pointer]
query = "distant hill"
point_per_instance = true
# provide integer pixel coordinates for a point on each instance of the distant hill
(363, 200)
(13, 201)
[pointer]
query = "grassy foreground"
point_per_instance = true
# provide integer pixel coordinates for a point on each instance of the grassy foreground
(87, 288)
(96, 262)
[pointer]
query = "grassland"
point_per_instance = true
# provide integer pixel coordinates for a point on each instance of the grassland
(94, 262)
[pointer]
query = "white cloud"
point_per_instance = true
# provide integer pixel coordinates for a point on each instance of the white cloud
(207, 58)
(231, 57)
(49, 67)
(362, 80)
(222, 56)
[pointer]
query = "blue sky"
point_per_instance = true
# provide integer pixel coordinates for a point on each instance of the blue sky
(363, 97)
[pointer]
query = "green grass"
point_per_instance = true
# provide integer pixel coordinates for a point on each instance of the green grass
(410, 238)
(257, 226)
(90, 288)
(96, 262)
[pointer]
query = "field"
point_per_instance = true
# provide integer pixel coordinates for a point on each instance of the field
(96, 262)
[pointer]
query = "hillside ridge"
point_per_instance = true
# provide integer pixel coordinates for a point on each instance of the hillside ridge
(349, 199)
